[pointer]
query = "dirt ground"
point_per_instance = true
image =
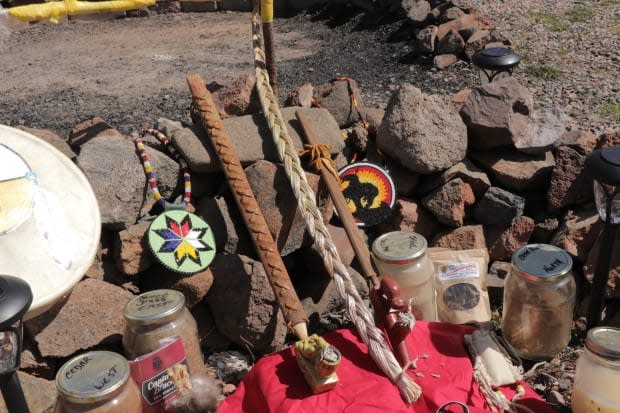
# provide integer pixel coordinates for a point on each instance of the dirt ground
(131, 71)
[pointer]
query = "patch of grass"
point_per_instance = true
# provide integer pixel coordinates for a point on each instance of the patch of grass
(610, 109)
(579, 14)
(543, 72)
(553, 22)
(563, 52)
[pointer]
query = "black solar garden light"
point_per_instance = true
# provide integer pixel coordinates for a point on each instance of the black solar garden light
(495, 62)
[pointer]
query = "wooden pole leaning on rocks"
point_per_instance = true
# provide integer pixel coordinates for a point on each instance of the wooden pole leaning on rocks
(205, 113)
(384, 308)
(333, 186)
(266, 14)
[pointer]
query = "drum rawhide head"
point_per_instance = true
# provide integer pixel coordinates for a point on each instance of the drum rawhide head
(49, 218)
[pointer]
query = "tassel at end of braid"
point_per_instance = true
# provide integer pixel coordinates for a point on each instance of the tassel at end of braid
(409, 389)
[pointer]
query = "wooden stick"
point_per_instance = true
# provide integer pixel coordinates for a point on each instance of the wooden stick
(266, 12)
(207, 115)
(383, 304)
(348, 222)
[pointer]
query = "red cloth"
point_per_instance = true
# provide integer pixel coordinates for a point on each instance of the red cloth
(276, 385)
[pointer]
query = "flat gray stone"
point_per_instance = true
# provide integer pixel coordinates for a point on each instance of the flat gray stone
(115, 172)
(545, 132)
(516, 171)
(466, 170)
(498, 207)
(252, 138)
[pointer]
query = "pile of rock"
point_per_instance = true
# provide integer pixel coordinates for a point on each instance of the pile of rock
(479, 169)
(447, 30)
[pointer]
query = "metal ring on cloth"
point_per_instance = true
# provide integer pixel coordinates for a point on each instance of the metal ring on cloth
(442, 409)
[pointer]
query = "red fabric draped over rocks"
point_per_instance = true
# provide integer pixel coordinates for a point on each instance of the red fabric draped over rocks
(275, 383)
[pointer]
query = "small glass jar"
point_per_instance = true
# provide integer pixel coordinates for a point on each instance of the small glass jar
(154, 319)
(97, 382)
(597, 375)
(402, 256)
(539, 299)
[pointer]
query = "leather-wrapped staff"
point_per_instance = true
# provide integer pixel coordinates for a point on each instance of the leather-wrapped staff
(384, 294)
(205, 114)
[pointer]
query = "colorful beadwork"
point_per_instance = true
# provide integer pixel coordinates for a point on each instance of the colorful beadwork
(187, 182)
(148, 171)
(182, 241)
(369, 192)
(354, 101)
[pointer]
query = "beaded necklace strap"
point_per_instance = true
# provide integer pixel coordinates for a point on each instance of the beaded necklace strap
(148, 168)
(187, 182)
(148, 171)
(354, 101)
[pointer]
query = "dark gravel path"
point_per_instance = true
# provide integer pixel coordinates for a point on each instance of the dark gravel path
(132, 71)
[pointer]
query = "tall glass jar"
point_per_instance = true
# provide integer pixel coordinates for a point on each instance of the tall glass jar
(97, 382)
(402, 256)
(539, 299)
(597, 375)
(154, 319)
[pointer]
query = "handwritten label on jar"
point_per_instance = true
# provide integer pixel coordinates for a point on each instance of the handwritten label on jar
(93, 374)
(448, 272)
(107, 378)
(147, 302)
(78, 367)
(542, 261)
(399, 246)
(152, 374)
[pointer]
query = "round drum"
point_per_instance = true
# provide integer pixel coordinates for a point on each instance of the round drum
(49, 218)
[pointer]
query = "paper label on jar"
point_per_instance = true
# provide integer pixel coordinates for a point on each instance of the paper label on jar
(152, 373)
(449, 272)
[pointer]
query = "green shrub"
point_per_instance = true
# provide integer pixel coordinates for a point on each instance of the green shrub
(579, 14)
(610, 109)
(553, 22)
(543, 72)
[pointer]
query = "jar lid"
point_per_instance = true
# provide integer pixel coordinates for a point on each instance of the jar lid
(604, 341)
(154, 305)
(399, 247)
(542, 262)
(92, 376)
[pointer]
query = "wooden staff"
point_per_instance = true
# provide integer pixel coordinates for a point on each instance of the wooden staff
(266, 14)
(344, 213)
(207, 115)
(381, 292)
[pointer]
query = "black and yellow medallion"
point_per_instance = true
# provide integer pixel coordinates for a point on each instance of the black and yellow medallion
(369, 192)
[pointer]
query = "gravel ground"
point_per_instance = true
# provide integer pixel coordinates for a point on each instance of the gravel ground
(51, 81)
(570, 54)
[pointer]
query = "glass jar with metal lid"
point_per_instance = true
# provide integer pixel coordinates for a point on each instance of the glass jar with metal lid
(597, 375)
(97, 382)
(157, 317)
(539, 299)
(402, 256)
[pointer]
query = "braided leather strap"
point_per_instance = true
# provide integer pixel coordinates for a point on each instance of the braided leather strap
(205, 114)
